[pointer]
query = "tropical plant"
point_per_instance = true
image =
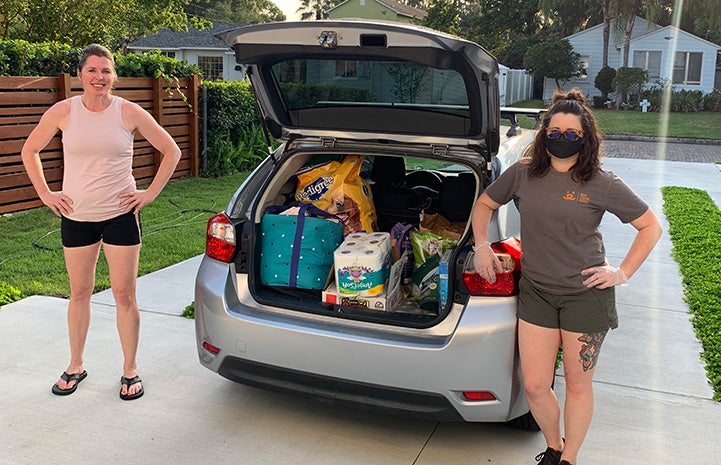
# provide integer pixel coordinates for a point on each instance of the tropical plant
(315, 9)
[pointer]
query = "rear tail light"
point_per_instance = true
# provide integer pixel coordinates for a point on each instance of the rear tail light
(211, 348)
(506, 282)
(220, 238)
(478, 396)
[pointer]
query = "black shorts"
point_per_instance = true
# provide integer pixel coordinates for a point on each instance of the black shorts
(121, 230)
(590, 311)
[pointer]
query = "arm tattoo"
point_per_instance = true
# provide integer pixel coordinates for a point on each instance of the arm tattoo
(590, 349)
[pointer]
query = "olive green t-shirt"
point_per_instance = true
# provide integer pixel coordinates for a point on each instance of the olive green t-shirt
(559, 221)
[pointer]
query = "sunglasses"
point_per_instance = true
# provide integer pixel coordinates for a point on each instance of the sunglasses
(568, 134)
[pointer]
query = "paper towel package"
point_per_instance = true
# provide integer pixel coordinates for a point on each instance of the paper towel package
(387, 301)
(362, 264)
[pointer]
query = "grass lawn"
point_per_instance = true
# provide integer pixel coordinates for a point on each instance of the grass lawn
(699, 125)
(31, 254)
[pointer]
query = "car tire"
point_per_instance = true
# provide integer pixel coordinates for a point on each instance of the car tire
(525, 422)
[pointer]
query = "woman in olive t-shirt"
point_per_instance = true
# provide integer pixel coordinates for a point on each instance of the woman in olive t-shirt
(566, 292)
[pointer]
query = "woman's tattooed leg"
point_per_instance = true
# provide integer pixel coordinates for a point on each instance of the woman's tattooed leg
(590, 348)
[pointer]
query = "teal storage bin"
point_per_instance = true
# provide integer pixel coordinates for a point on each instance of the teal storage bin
(297, 250)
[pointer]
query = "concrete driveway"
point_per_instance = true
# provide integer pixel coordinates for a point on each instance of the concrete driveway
(653, 403)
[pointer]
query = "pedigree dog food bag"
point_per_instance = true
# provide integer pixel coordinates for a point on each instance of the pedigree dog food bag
(338, 188)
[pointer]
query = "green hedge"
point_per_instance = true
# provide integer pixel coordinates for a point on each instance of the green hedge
(235, 138)
(22, 58)
(695, 225)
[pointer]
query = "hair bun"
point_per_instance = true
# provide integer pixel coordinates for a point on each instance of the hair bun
(573, 94)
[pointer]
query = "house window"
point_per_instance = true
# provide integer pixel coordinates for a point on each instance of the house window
(346, 69)
(168, 54)
(648, 60)
(212, 67)
(687, 68)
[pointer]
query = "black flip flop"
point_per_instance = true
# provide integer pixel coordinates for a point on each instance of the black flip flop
(77, 377)
(129, 382)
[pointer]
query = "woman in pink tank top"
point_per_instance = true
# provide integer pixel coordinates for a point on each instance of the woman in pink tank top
(99, 203)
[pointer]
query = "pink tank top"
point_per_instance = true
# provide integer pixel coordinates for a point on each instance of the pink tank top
(98, 159)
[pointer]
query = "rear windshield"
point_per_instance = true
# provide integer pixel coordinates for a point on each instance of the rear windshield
(313, 83)
(349, 93)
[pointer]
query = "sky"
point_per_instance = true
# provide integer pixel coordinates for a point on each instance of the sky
(288, 7)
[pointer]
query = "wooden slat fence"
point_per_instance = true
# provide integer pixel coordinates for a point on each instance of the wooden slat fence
(23, 100)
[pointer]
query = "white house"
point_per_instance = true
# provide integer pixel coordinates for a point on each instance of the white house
(667, 53)
(198, 47)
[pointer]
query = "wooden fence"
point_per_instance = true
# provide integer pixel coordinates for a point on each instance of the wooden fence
(23, 100)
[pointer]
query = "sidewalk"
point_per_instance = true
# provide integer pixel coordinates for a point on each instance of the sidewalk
(653, 403)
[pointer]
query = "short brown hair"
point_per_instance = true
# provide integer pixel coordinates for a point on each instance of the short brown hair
(95, 50)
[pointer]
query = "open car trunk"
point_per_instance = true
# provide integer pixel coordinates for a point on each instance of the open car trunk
(434, 195)
(422, 109)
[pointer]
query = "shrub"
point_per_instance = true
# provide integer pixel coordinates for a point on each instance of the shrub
(599, 101)
(231, 108)
(153, 64)
(683, 101)
(630, 82)
(712, 100)
(22, 58)
(235, 137)
(604, 81)
(225, 156)
(686, 101)
(655, 92)
(9, 294)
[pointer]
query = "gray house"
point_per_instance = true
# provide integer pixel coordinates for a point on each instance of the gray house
(196, 46)
(667, 53)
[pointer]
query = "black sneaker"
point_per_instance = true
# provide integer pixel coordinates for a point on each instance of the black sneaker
(549, 457)
(564, 462)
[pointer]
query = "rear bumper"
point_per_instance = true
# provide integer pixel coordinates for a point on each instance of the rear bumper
(419, 372)
(428, 406)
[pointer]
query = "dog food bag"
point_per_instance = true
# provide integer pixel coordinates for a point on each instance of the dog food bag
(338, 188)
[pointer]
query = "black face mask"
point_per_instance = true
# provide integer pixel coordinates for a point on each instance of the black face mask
(562, 148)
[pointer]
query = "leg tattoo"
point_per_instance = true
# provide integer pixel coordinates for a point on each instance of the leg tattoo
(590, 349)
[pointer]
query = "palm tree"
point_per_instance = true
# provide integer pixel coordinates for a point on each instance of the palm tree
(606, 9)
(627, 10)
(315, 9)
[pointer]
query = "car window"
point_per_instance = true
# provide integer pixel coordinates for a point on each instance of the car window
(413, 164)
(311, 83)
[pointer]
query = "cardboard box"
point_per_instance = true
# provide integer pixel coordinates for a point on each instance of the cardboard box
(383, 302)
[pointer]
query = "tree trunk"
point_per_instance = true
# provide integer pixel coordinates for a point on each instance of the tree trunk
(630, 21)
(606, 8)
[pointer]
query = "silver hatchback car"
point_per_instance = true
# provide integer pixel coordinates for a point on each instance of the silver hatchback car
(422, 108)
